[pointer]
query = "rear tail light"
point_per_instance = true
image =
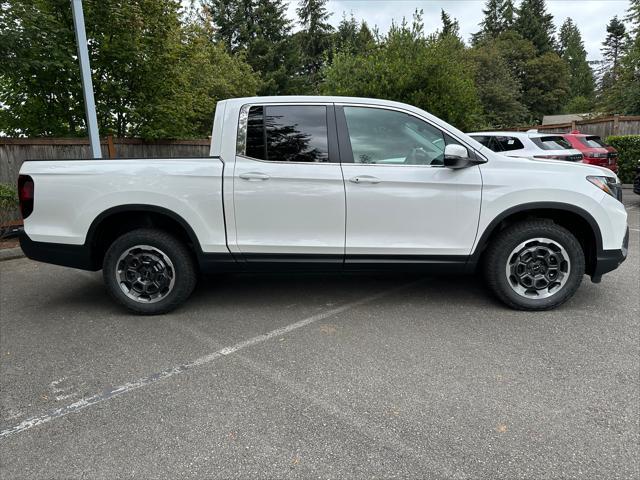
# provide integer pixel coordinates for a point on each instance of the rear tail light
(25, 195)
(597, 155)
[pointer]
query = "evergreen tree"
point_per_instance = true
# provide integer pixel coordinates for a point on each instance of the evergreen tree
(536, 25)
(546, 85)
(450, 26)
(492, 23)
(508, 13)
(353, 37)
(314, 40)
(259, 30)
(499, 91)
(612, 49)
(621, 93)
(516, 51)
(633, 17)
(581, 79)
(366, 39)
(346, 34)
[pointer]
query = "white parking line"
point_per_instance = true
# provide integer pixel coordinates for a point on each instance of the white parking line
(156, 377)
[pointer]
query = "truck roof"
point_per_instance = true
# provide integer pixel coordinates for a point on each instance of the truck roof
(317, 99)
(226, 109)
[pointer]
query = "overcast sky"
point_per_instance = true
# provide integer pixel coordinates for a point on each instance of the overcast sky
(591, 16)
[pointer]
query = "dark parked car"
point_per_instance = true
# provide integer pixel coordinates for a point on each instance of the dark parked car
(636, 181)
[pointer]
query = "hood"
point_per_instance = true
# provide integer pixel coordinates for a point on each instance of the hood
(559, 165)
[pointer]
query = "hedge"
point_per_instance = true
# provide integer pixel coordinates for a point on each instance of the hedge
(8, 204)
(628, 147)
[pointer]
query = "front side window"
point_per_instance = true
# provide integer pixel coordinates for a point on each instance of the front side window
(287, 133)
(552, 143)
(388, 137)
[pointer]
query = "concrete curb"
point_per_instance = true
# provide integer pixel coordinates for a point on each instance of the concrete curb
(11, 253)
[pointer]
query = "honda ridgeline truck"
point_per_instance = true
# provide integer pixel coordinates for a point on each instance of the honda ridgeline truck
(326, 183)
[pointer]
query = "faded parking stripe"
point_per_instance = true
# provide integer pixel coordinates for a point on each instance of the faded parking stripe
(158, 376)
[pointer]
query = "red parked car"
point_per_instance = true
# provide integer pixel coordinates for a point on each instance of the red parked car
(594, 150)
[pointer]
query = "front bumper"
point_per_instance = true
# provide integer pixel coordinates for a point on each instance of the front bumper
(609, 260)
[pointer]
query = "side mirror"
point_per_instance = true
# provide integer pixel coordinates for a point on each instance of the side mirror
(456, 156)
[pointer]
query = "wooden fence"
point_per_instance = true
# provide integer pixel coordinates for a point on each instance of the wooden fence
(14, 151)
(602, 127)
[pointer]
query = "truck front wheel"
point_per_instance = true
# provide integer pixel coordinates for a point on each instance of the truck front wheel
(534, 265)
(149, 271)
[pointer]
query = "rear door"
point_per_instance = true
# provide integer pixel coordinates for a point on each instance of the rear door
(288, 191)
(403, 205)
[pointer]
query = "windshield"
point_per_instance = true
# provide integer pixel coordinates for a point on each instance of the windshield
(552, 143)
(592, 142)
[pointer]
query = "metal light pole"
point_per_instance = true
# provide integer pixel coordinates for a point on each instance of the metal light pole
(85, 72)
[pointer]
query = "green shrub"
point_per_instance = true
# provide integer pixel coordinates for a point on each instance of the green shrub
(628, 147)
(8, 204)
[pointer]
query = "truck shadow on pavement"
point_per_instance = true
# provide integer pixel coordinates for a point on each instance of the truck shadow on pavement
(275, 292)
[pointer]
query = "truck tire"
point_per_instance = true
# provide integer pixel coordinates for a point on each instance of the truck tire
(149, 271)
(534, 265)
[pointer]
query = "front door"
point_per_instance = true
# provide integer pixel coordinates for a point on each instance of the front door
(289, 203)
(403, 205)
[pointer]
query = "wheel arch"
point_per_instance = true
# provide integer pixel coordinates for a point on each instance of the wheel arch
(116, 221)
(577, 220)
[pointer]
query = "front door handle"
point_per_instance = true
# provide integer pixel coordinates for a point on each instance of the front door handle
(254, 176)
(364, 179)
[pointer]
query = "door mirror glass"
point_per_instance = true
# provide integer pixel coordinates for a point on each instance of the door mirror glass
(456, 156)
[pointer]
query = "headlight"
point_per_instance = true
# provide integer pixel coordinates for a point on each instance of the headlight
(608, 185)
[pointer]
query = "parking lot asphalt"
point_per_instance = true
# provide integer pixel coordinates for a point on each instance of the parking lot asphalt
(319, 376)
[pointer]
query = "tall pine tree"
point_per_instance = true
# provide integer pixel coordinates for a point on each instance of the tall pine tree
(612, 49)
(450, 26)
(508, 13)
(621, 82)
(633, 16)
(259, 29)
(492, 23)
(581, 79)
(536, 25)
(314, 40)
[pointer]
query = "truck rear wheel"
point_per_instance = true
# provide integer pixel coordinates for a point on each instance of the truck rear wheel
(534, 265)
(149, 271)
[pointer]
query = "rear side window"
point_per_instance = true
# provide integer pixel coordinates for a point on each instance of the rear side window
(289, 133)
(554, 142)
(484, 140)
(506, 144)
(592, 142)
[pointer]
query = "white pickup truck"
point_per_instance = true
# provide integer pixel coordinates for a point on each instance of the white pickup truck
(326, 183)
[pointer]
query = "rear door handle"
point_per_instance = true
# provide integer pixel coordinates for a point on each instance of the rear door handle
(364, 179)
(254, 176)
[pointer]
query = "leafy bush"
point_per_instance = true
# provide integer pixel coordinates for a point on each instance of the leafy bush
(8, 204)
(8, 197)
(628, 147)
